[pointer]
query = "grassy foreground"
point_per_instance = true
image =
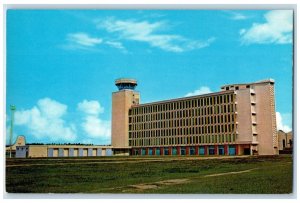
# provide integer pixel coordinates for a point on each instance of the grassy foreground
(197, 175)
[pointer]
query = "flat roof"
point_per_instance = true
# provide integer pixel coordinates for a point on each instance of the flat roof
(125, 80)
(69, 146)
(252, 83)
(184, 98)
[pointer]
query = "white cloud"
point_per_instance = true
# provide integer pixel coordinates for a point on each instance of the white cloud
(51, 108)
(281, 124)
(83, 39)
(277, 29)
(95, 127)
(117, 45)
(144, 31)
(237, 16)
(92, 125)
(201, 90)
(90, 107)
(44, 121)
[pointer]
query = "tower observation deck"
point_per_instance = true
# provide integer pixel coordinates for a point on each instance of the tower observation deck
(126, 83)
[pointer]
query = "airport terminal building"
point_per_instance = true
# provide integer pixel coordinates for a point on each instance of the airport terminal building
(240, 119)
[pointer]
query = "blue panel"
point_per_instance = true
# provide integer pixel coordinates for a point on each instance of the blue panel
(99, 152)
(211, 150)
(157, 151)
(182, 151)
(80, 152)
(71, 152)
(60, 152)
(166, 151)
(201, 150)
(50, 152)
(174, 151)
(123, 86)
(90, 152)
(150, 152)
(108, 152)
(192, 151)
(144, 152)
(231, 150)
(221, 150)
(21, 152)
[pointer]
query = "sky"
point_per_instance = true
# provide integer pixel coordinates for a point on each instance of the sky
(61, 64)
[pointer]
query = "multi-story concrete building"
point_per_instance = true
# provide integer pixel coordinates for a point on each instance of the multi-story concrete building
(240, 119)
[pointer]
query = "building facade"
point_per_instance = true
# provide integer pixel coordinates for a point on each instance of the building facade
(20, 141)
(238, 120)
(33, 151)
(285, 141)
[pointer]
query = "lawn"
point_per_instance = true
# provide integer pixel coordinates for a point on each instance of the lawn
(160, 175)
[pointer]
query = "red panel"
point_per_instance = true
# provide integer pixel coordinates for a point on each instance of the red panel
(178, 150)
(216, 149)
(237, 149)
(154, 151)
(132, 151)
(161, 151)
(187, 150)
(205, 150)
(197, 150)
(226, 149)
(170, 150)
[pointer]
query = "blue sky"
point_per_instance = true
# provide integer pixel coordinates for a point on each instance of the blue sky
(61, 64)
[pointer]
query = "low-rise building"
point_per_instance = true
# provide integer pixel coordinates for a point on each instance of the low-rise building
(285, 141)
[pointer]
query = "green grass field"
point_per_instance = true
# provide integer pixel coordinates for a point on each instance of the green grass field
(160, 175)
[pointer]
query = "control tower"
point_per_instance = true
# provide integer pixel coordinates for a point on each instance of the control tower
(122, 101)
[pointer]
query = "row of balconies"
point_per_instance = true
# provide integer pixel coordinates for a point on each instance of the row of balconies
(253, 116)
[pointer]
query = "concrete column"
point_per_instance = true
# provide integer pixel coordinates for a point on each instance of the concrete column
(225, 149)
(205, 150)
(187, 150)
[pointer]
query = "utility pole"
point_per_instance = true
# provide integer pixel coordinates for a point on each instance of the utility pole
(12, 109)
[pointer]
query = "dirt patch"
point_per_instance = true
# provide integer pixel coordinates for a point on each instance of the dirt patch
(173, 181)
(145, 186)
(229, 173)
